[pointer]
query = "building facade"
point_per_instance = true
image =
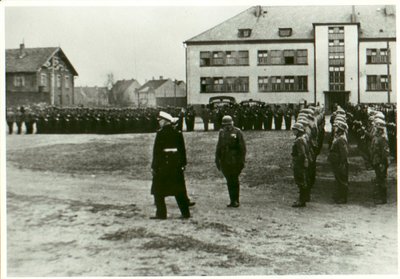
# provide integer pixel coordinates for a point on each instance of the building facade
(39, 75)
(318, 54)
(162, 93)
(123, 93)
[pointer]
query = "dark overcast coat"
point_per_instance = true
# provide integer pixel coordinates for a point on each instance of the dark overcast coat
(169, 157)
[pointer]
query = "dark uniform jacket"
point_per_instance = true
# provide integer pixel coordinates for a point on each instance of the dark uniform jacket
(379, 150)
(338, 155)
(169, 157)
(231, 150)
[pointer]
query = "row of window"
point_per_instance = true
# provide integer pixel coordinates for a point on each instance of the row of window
(377, 56)
(265, 84)
(286, 56)
(283, 32)
(19, 81)
(378, 83)
(265, 57)
(286, 83)
(44, 81)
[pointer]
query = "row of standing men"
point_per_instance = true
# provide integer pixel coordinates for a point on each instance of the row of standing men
(54, 120)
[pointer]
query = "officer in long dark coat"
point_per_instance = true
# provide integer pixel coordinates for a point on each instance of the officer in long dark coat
(230, 157)
(169, 161)
(338, 157)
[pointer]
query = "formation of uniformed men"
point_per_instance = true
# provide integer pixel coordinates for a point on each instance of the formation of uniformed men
(338, 155)
(247, 116)
(375, 132)
(373, 127)
(54, 120)
(309, 131)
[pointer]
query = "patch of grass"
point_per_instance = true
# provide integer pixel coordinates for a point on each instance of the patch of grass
(268, 157)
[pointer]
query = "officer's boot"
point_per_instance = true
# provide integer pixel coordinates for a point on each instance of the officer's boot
(301, 202)
(376, 193)
(382, 196)
(307, 194)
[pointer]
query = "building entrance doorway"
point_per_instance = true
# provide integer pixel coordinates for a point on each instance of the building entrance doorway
(333, 98)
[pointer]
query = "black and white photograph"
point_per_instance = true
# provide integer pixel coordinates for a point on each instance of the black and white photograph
(198, 138)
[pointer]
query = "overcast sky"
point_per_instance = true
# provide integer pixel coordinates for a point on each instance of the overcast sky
(131, 42)
(138, 42)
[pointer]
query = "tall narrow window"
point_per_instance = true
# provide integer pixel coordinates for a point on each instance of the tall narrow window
(336, 58)
(302, 83)
(262, 57)
(58, 81)
(205, 58)
(384, 82)
(262, 84)
(19, 81)
(43, 79)
(67, 82)
(301, 56)
(288, 56)
(276, 57)
(289, 83)
(276, 83)
(243, 57)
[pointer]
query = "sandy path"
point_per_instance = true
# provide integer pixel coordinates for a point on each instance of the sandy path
(68, 225)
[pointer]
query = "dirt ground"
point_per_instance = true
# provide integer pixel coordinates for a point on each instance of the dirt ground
(66, 218)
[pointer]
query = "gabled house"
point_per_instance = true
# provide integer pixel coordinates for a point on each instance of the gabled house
(162, 92)
(123, 93)
(91, 96)
(288, 54)
(39, 75)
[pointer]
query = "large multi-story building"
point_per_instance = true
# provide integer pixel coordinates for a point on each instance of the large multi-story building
(39, 75)
(318, 54)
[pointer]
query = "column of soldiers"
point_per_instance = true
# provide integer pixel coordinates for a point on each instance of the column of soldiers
(251, 117)
(374, 128)
(309, 131)
(53, 120)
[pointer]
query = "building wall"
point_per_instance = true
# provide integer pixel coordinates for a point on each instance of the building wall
(147, 99)
(170, 90)
(377, 69)
(253, 71)
(30, 82)
(24, 95)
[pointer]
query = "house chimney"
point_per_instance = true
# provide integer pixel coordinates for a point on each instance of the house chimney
(21, 50)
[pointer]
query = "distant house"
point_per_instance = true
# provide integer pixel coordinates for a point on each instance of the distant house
(162, 92)
(91, 96)
(123, 93)
(39, 75)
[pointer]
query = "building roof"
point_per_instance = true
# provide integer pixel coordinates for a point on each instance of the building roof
(376, 21)
(152, 85)
(33, 59)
